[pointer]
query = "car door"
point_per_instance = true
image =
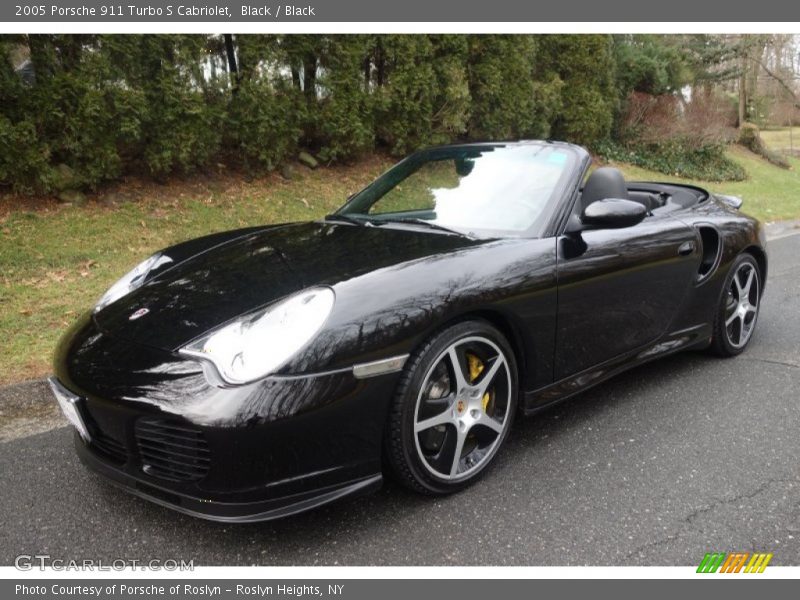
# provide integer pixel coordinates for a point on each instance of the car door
(619, 289)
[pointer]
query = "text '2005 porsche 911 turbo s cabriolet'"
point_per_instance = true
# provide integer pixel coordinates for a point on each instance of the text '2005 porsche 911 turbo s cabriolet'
(256, 373)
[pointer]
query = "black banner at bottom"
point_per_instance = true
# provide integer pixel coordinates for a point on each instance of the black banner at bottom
(391, 589)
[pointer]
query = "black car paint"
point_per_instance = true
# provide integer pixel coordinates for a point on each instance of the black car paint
(629, 281)
(258, 268)
(577, 308)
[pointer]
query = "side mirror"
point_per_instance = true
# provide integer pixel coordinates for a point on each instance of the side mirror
(613, 213)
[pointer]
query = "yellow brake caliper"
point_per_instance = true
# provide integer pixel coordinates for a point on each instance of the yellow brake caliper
(475, 369)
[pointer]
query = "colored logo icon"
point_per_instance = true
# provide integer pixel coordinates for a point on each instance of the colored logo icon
(734, 562)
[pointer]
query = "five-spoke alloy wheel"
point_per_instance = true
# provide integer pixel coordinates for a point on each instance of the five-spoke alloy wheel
(454, 408)
(738, 311)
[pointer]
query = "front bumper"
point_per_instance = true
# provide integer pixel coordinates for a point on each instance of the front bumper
(227, 512)
(257, 452)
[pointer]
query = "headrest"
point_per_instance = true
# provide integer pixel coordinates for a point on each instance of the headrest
(605, 182)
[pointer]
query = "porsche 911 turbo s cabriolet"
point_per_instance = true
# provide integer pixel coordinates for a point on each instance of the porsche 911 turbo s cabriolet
(253, 374)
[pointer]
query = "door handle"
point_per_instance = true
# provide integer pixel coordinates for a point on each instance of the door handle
(686, 248)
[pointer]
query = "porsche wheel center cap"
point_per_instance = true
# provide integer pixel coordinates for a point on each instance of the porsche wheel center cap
(460, 406)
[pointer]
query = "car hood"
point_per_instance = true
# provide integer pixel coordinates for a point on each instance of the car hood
(234, 274)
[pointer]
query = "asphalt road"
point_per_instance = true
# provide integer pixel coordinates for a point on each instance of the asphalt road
(687, 455)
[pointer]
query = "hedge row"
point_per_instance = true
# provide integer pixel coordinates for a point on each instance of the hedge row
(79, 110)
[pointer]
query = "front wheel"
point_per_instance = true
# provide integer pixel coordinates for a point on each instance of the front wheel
(738, 309)
(453, 408)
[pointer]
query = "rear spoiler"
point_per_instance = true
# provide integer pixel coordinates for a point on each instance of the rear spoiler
(732, 201)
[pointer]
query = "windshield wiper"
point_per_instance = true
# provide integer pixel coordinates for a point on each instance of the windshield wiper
(428, 224)
(348, 219)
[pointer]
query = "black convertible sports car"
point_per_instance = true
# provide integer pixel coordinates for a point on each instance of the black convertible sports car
(253, 374)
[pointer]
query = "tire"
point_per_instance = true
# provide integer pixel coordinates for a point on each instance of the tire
(737, 311)
(467, 417)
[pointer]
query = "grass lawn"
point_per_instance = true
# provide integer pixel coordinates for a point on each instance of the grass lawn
(786, 138)
(769, 193)
(56, 260)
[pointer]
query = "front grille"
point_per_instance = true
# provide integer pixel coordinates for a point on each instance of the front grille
(108, 446)
(172, 450)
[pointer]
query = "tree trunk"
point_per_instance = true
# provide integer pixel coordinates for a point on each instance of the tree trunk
(380, 62)
(233, 68)
(742, 88)
(296, 78)
(310, 77)
(42, 55)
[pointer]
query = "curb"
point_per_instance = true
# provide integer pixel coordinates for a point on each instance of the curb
(781, 229)
(24, 393)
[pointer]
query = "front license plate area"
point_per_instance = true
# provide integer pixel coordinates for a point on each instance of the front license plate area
(71, 407)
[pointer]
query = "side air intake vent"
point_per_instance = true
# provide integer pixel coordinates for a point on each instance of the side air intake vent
(109, 447)
(172, 450)
(105, 443)
(712, 251)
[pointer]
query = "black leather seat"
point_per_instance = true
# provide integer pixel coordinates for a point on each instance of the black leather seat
(605, 182)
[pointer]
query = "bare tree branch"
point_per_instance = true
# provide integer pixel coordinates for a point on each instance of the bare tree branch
(780, 80)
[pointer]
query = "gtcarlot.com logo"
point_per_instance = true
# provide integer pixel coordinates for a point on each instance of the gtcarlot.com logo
(28, 562)
(734, 562)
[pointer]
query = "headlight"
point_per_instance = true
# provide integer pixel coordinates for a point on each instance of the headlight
(131, 280)
(260, 343)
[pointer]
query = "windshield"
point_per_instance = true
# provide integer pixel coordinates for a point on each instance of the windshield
(480, 190)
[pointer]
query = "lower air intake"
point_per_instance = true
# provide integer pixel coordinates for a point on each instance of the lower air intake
(172, 450)
(109, 447)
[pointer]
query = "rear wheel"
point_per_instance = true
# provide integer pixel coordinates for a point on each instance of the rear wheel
(453, 408)
(738, 310)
